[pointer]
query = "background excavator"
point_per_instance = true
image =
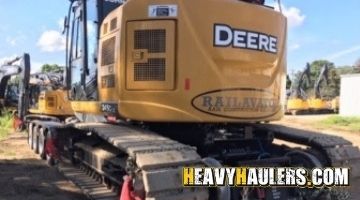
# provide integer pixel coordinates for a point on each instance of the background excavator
(162, 84)
(48, 99)
(297, 103)
(318, 104)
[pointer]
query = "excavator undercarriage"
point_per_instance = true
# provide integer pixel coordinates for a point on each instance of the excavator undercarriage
(154, 161)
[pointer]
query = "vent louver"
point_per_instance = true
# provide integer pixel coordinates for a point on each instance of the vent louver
(113, 24)
(153, 70)
(150, 56)
(108, 52)
(153, 40)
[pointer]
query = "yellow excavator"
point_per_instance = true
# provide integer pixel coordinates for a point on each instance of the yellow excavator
(297, 103)
(47, 97)
(317, 104)
(164, 84)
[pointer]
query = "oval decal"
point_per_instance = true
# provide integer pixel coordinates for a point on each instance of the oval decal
(238, 103)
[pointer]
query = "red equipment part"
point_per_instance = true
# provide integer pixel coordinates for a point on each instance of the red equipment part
(17, 123)
(127, 190)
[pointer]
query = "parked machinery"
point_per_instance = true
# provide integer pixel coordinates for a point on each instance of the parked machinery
(297, 103)
(48, 99)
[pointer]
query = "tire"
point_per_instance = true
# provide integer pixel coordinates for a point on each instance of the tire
(30, 135)
(340, 194)
(35, 140)
(50, 160)
(19, 128)
(42, 143)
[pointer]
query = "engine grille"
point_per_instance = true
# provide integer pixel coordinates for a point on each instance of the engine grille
(153, 40)
(108, 52)
(150, 56)
(153, 70)
(50, 102)
(113, 24)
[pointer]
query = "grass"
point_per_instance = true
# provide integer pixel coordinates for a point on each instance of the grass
(5, 124)
(345, 123)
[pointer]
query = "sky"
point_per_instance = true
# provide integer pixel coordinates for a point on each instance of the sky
(320, 29)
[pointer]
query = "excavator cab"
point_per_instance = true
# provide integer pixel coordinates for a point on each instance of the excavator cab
(82, 25)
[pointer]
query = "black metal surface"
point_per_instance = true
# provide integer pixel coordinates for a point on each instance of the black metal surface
(265, 162)
(322, 76)
(23, 104)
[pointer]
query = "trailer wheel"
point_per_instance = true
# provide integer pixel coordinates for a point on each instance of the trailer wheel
(50, 160)
(42, 143)
(30, 135)
(35, 139)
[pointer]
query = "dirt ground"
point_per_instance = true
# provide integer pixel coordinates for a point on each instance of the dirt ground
(23, 176)
(307, 122)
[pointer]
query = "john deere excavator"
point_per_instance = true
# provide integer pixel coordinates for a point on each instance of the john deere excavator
(297, 103)
(318, 104)
(161, 84)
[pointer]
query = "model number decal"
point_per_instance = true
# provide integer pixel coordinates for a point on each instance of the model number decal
(109, 108)
(225, 36)
(163, 11)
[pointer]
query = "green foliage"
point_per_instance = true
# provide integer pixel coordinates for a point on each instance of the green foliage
(346, 123)
(330, 90)
(51, 68)
(5, 124)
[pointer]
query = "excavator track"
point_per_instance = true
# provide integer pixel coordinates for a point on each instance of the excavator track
(159, 159)
(338, 152)
(93, 189)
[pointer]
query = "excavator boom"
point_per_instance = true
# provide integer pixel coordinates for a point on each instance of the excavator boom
(9, 69)
(322, 76)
